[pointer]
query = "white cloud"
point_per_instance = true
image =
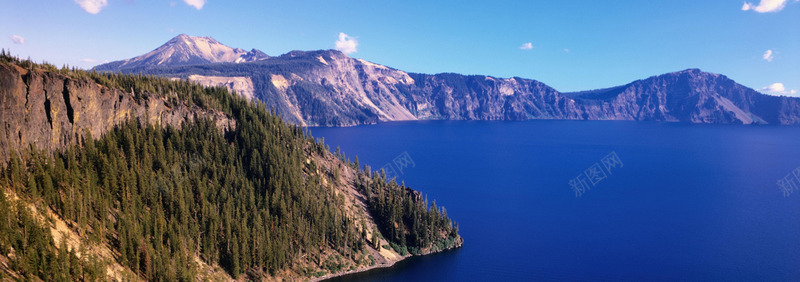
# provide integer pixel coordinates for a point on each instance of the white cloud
(346, 44)
(768, 55)
(17, 39)
(566, 50)
(765, 6)
(92, 6)
(778, 88)
(775, 87)
(526, 46)
(197, 4)
(87, 60)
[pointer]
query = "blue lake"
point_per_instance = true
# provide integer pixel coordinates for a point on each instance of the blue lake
(687, 202)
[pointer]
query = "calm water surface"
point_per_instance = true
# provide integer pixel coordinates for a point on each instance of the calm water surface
(696, 202)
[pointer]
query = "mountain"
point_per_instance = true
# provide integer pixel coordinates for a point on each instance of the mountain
(186, 50)
(329, 88)
(688, 96)
(128, 177)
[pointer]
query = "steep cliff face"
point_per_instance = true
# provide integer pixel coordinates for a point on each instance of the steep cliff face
(328, 88)
(49, 111)
(458, 97)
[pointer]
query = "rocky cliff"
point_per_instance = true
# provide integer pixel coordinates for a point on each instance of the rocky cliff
(457, 97)
(48, 111)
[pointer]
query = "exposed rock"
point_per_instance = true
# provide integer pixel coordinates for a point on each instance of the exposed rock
(236, 84)
(48, 111)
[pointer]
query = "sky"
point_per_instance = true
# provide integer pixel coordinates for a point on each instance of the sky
(569, 45)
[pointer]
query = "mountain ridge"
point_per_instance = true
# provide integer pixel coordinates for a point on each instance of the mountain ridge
(329, 88)
(186, 50)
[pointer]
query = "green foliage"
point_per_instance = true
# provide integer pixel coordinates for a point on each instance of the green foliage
(244, 199)
(405, 219)
(32, 252)
(238, 200)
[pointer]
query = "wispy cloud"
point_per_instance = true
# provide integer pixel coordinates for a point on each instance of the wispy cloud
(346, 44)
(87, 60)
(17, 39)
(92, 6)
(197, 4)
(779, 88)
(566, 50)
(765, 6)
(526, 46)
(767, 55)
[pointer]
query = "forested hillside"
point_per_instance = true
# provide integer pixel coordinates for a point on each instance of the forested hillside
(257, 197)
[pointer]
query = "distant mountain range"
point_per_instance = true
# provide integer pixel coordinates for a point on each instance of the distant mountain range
(328, 88)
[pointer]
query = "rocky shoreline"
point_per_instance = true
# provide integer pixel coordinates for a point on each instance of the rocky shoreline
(459, 243)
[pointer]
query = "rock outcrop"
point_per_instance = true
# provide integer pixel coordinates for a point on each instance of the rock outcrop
(49, 111)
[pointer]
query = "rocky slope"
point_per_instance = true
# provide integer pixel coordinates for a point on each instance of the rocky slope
(328, 88)
(186, 50)
(49, 111)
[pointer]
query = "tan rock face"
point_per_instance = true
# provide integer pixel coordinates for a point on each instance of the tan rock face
(279, 82)
(235, 84)
(49, 111)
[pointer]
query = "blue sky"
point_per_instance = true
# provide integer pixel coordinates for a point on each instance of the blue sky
(573, 45)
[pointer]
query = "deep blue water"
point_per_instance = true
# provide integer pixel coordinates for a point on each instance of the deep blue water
(690, 202)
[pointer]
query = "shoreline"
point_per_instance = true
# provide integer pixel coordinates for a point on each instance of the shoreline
(359, 270)
(388, 265)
